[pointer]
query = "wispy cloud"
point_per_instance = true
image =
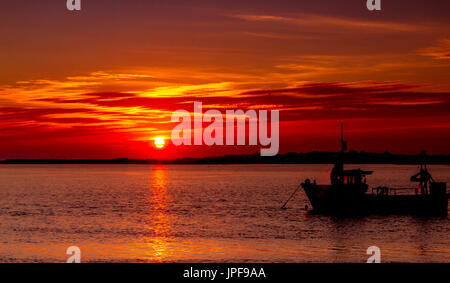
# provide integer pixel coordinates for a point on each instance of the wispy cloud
(439, 51)
(44, 110)
(330, 21)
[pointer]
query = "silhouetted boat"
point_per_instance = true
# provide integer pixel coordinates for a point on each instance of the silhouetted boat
(348, 193)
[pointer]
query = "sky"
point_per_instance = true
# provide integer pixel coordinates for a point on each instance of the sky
(103, 82)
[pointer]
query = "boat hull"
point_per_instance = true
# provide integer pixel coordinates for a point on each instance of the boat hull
(333, 199)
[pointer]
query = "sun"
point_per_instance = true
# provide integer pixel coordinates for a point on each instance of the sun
(159, 142)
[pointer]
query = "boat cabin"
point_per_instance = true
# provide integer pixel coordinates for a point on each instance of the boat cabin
(350, 177)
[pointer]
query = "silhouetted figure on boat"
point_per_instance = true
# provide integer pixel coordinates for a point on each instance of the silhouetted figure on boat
(424, 177)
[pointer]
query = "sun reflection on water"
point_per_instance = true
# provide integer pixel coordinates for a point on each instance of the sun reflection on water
(159, 217)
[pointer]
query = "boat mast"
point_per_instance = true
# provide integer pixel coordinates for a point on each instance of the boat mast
(343, 143)
(337, 174)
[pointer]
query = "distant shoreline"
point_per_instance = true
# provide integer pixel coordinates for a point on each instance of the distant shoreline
(315, 157)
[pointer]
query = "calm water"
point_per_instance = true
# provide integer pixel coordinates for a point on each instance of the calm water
(196, 213)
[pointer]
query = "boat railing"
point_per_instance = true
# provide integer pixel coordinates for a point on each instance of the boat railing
(389, 191)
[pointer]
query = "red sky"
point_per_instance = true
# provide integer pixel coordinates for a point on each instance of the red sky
(103, 82)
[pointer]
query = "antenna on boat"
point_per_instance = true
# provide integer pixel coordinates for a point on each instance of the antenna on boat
(343, 143)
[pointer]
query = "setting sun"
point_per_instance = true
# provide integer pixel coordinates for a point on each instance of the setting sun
(159, 142)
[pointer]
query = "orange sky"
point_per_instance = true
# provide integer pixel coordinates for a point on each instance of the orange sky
(101, 83)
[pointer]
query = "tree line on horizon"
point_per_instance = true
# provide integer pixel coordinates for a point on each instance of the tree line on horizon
(314, 157)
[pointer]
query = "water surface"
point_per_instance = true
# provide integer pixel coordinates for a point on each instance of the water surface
(200, 213)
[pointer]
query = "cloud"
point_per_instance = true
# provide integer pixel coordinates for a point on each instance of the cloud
(439, 51)
(331, 21)
(60, 110)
